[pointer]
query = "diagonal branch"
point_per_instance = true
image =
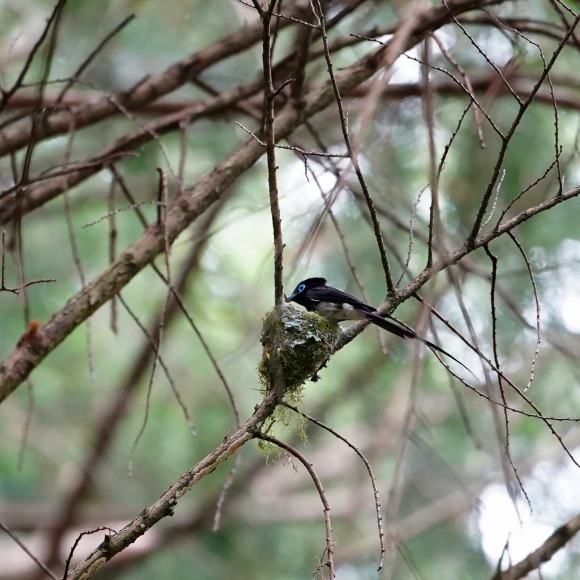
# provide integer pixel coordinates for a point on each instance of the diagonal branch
(193, 202)
(165, 505)
(533, 561)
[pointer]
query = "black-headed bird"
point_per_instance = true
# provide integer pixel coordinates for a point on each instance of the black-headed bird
(334, 304)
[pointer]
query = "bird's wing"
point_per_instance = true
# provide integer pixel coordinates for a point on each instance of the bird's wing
(328, 294)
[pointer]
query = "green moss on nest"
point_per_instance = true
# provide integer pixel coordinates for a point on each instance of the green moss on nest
(303, 341)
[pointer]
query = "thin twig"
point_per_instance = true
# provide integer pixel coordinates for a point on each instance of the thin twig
(537, 304)
(353, 154)
(369, 470)
(317, 483)
(270, 140)
(24, 548)
(91, 57)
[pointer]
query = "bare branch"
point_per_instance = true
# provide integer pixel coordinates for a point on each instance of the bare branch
(534, 561)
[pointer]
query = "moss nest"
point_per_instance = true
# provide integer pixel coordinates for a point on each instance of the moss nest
(303, 342)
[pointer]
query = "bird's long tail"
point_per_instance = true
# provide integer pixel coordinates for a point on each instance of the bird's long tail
(403, 332)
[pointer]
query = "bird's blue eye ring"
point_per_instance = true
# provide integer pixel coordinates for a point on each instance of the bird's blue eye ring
(302, 287)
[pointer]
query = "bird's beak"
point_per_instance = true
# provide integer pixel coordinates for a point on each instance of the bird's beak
(291, 297)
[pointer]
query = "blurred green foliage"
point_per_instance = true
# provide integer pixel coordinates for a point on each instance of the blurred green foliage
(424, 437)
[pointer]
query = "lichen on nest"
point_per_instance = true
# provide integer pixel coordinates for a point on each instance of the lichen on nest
(303, 342)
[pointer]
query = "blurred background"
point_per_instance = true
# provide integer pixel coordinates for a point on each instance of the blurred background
(102, 427)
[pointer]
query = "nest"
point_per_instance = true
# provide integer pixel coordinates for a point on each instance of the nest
(299, 342)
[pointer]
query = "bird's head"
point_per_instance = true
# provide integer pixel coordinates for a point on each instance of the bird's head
(304, 286)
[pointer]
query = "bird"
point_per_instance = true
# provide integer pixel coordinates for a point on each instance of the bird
(334, 304)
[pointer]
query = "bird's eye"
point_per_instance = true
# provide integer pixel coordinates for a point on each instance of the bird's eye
(302, 287)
